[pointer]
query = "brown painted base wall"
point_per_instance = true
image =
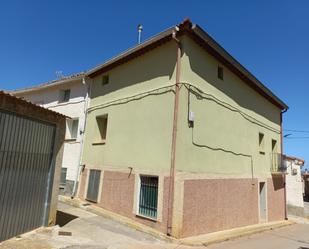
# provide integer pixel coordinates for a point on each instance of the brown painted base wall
(275, 198)
(117, 195)
(212, 205)
(209, 205)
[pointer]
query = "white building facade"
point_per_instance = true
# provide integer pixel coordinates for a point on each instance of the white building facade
(68, 96)
(294, 185)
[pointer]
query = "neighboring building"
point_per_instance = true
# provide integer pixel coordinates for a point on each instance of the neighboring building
(69, 97)
(31, 147)
(294, 185)
(182, 138)
(306, 186)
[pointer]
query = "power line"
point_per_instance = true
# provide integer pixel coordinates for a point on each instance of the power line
(300, 131)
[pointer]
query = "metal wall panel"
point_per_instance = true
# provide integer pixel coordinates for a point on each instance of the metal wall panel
(26, 148)
(93, 185)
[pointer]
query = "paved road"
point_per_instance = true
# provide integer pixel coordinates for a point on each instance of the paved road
(90, 231)
(290, 237)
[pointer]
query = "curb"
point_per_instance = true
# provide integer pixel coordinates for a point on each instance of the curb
(217, 237)
(200, 240)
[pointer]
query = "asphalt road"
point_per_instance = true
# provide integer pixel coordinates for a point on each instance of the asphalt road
(290, 237)
(90, 231)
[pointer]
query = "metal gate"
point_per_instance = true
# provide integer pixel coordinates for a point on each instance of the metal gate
(26, 148)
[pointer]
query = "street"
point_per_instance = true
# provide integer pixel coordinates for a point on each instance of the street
(87, 230)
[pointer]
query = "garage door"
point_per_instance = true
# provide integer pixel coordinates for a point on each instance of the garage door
(26, 147)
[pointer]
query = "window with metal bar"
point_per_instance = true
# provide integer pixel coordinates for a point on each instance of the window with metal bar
(63, 177)
(148, 198)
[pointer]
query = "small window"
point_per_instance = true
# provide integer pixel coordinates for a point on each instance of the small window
(220, 73)
(63, 177)
(261, 143)
(93, 185)
(274, 146)
(72, 128)
(148, 198)
(65, 95)
(105, 80)
(102, 128)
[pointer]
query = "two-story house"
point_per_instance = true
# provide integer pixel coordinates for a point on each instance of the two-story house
(67, 96)
(182, 138)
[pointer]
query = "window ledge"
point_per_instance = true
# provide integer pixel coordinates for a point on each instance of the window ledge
(99, 142)
(70, 140)
(147, 217)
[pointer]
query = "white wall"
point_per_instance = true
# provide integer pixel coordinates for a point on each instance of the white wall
(294, 191)
(49, 98)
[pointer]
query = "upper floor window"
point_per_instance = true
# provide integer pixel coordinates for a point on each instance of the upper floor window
(105, 79)
(274, 146)
(261, 143)
(100, 137)
(220, 73)
(65, 95)
(72, 128)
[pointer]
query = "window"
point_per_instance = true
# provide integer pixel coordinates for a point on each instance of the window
(72, 128)
(93, 185)
(220, 73)
(63, 177)
(65, 95)
(105, 80)
(261, 143)
(148, 197)
(274, 146)
(102, 128)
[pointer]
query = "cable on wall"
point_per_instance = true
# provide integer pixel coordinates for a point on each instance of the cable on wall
(216, 148)
(202, 95)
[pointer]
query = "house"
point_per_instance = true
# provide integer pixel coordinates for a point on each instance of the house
(294, 185)
(305, 177)
(31, 147)
(67, 95)
(182, 138)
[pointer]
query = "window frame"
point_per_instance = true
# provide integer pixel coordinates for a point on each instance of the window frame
(220, 72)
(62, 96)
(99, 139)
(105, 80)
(261, 143)
(69, 129)
(138, 213)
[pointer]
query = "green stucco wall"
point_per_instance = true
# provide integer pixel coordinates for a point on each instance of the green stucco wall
(218, 127)
(139, 131)
(139, 128)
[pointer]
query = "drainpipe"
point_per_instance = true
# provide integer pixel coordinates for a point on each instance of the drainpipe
(174, 138)
(82, 137)
(284, 175)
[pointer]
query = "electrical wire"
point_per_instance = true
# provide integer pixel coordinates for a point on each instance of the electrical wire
(217, 148)
(299, 131)
(199, 94)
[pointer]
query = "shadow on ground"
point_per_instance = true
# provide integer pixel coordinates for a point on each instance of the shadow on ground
(63, 218)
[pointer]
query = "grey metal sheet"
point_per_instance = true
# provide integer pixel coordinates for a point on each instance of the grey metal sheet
(26, 147)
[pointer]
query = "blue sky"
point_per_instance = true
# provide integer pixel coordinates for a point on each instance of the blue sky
(270, 38)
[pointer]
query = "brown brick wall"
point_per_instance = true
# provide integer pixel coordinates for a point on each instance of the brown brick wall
(275, 198)
(212, 205)
(117, 195)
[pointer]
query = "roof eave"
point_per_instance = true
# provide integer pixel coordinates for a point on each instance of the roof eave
(47, 85)
(229, 61)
